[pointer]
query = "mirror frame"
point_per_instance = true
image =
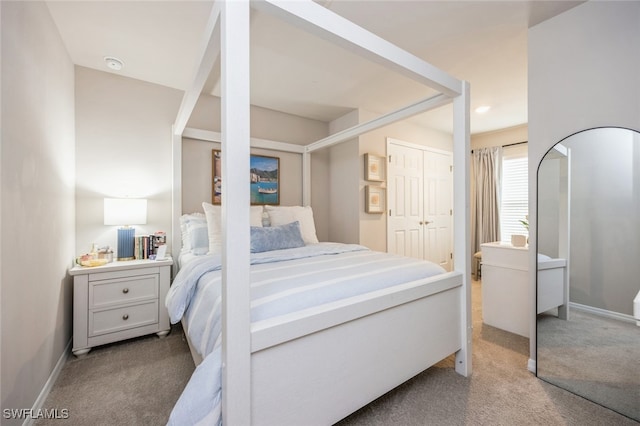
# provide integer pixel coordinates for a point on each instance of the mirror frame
(537, 272)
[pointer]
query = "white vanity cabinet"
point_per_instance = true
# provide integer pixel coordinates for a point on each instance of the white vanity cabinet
(506, 300)
(118, 301)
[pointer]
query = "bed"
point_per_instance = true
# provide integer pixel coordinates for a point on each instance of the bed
(300, 288)
(317, 365)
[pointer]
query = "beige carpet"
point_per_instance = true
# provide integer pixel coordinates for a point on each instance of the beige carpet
(593, 356)
(137, 383)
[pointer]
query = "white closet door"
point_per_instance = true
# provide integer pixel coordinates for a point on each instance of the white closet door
(438, 186)
(420, 190)
(406, 200)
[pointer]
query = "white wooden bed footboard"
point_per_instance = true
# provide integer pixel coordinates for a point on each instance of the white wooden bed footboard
(322, 377)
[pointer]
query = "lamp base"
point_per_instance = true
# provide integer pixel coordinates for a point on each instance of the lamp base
(126, 241)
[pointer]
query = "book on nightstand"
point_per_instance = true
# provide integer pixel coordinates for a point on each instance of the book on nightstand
(146, 246)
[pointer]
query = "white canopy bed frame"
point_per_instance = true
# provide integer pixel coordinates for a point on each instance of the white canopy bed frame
(290, 372)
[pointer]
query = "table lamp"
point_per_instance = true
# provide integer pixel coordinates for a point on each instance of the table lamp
(125, 212)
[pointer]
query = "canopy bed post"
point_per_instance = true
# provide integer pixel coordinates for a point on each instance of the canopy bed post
(176, 194)
(461, 220)
(236, 327)
(306, 178)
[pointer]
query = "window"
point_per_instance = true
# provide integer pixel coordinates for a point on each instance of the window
(514, 203)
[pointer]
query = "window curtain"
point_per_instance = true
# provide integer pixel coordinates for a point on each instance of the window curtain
(485, 196)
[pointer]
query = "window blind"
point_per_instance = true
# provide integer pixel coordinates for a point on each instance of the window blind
(515, 192)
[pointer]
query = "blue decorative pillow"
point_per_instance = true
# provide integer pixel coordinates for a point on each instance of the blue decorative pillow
(276, 237)
(199, 238)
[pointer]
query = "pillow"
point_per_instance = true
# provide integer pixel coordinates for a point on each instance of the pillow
(214, 227)
(193, 227)
(214, 224)
(276, 237)
(255, 216)
(281, 215)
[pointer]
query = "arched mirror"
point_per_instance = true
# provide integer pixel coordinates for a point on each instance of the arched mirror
(588, 322)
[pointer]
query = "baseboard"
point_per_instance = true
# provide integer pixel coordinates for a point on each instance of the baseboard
(603, 312)
(531, 365)
(37, 405)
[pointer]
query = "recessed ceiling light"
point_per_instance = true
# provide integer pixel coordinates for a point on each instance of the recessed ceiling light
(114, 63)
(482, 109)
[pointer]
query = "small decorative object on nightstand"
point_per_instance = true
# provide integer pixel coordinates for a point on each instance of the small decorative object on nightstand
(118, 301)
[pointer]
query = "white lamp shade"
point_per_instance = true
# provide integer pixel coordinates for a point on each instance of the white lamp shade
(125, 211)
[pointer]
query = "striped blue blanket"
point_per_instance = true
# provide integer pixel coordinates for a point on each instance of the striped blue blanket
(282, 282)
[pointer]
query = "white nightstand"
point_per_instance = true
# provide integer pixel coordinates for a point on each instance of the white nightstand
(118, 301)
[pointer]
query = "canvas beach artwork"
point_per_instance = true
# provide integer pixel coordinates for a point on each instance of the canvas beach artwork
(264, 173)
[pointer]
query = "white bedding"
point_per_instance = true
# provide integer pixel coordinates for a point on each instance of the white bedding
(282, 282)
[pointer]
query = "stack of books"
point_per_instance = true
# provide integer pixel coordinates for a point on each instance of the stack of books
(146, 246)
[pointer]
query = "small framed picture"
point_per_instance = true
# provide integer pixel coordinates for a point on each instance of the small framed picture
(373, 168)
(374, 199)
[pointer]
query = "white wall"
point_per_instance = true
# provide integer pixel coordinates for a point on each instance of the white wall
(124, 149)
(500, 137)
(605, 219)
(37, 199)
(265, 123)
(343, 181)
(584, 72)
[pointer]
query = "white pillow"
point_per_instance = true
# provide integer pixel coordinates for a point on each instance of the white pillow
(213, 214)
(281, 215)
(193, 227)
(256, 215)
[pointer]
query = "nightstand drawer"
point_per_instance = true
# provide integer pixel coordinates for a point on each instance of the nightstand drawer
(113, 320)
(122, 290)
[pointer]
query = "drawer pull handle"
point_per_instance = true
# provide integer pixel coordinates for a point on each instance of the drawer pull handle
(125, 290)
(125, 317)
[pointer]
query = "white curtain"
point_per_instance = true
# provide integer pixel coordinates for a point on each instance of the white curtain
(485, 196)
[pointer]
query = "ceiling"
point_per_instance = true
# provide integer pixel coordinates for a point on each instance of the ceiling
(483, 42)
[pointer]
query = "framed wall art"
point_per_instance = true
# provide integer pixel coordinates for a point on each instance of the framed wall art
(374, 199)
(264, 175)
(373, 168)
